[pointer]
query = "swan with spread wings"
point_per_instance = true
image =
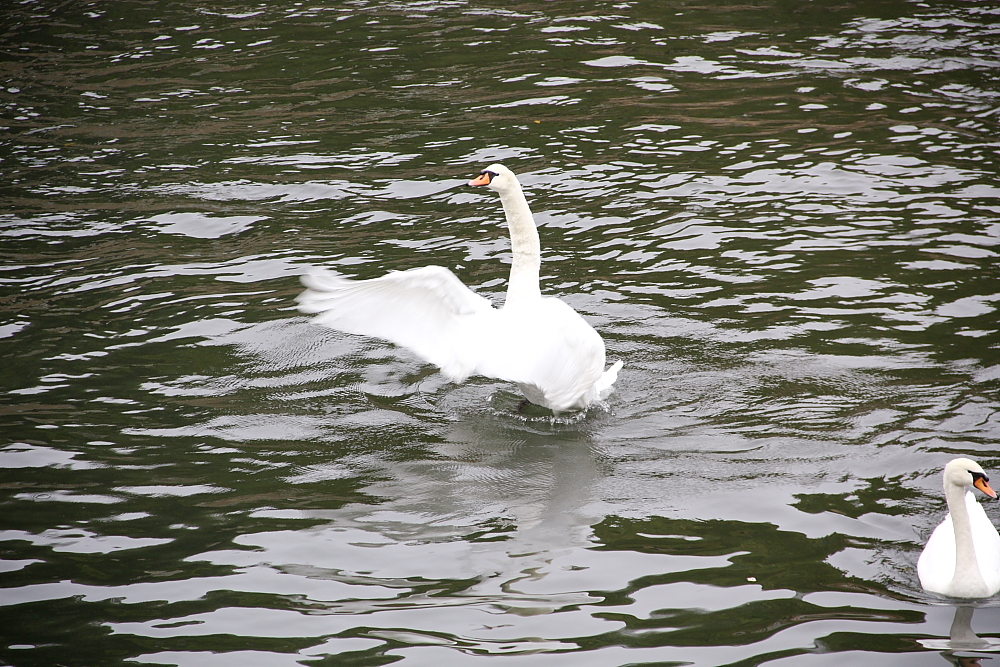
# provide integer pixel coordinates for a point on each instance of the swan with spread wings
(537, 342)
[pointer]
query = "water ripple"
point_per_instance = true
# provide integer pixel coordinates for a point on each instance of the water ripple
(783, 219)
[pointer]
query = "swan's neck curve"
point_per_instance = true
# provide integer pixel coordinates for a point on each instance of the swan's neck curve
(968, 576)
(525, 247)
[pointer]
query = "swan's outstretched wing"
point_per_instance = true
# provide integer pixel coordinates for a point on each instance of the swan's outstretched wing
(427, 310)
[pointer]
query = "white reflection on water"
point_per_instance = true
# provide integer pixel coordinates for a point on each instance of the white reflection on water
(203, 226)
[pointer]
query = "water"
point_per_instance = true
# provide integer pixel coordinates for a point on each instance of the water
(782, 216)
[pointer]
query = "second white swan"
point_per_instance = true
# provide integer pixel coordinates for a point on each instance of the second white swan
(962, 556)
(539, 343)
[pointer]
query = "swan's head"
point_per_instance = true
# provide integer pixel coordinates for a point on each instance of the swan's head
(966, 472)
(497, 177)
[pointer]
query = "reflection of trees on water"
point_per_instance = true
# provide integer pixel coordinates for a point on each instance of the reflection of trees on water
(781, 567)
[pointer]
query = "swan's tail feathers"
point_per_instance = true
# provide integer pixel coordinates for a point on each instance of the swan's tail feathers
(426, 310)
(607, 379)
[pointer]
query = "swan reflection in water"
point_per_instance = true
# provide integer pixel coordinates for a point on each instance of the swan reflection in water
(962, 637)
(964, 661)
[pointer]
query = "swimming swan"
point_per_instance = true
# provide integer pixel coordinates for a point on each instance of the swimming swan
(962, 557)
(536, 342)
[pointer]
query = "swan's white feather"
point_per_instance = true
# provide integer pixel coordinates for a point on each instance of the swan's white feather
(608, 378)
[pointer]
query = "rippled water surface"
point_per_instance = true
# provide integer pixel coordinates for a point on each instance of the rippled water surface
(783, 216)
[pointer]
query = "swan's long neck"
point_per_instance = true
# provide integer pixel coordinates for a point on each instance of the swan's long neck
(967, 572)
(524, 244)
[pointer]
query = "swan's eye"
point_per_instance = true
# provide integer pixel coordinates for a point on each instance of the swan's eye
(491, 174)
(978, 476)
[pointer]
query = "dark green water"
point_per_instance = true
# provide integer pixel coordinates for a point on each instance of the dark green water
(783, 216)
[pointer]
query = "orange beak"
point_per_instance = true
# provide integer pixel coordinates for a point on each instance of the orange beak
(985, 487)
(482, 179)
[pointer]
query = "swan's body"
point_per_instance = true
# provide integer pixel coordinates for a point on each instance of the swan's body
(539, 343)
(962, 556)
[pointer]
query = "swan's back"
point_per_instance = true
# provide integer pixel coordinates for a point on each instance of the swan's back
(549, 350)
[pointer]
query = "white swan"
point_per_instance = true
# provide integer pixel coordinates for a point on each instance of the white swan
(539, 343)
(962, 557)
